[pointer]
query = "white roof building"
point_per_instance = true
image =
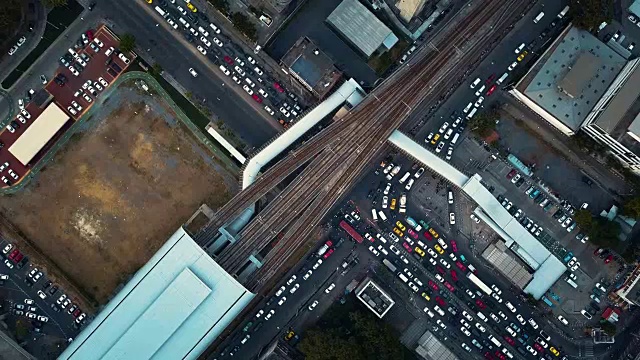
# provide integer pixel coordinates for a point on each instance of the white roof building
(172, 308)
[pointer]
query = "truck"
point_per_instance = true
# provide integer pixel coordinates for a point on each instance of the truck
(324, 248)
(403, 203)
(414, 224)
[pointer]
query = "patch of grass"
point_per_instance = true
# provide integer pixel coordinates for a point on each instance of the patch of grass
(57, 21)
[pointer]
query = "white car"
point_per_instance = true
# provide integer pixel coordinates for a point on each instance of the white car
(479, 101)
(542, 342)
(307, 275)
(123, 58)
(259, 313)
(495, 317)
(225, 70)
(205, 41)
(217, 41)
(10, 128)
(432, 253)
(466, 347)
(496, 297)
(21, 104)
(502, 315)
(520, 319)
(193, 72)
(452, 218)
(28, 301)
(202, 50)
(465, 331)
(317, 264)
(385, 201)
(247, 89)
(470, 293)
(281, 290)
(532, 350)
(467, 316)
(284, 112)
(21, 119)
(269, 315)
(331, 287)
(263, 93)
(563, 320)
(73, 70)
(103, 82)
(25, 113)
(282, 300)
(43, 318)
(533, 323)
(374, 251)
(464, 323)
(72, 110)
(313, 305)
(87, 98)
(442, 325)
(443, 128)
(510, 307)
(480, 327)
(519, 48)
(439, 278)
(294, 288)
(291, 280)
(8, 263)
(269, 110)
(511, 332)
(445, 263)
(513, 65)
(7, 248)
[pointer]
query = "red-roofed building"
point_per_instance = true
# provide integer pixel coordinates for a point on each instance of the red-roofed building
(612, 315)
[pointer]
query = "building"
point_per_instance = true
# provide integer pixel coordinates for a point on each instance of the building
(36, 136)
(430, 348)
(360, 27)
(311, 67)
(374, 298)
(409, 8)
(629, 292)
(507, 264)
(172, 308)
(581, 84)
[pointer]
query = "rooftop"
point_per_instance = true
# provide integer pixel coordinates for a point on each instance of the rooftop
(374, 298)
(312, 67)
(622, 103)
(409, 8)
(172, 308)
(430, 348)
(571, 76)
(361, 27)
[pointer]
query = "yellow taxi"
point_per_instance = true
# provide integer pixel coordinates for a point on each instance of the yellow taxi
(426, 296)
(191, 7)
(419, 251)
(400, 225)
(554, 351)
(438, 249)
(289, 335)
(522, 55)
(433, 233)
(393, 204)
(398, 232)
(149, 1)
(435, 139)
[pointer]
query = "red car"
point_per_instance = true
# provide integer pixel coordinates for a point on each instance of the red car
(427, 235)
(598, 251)
(487, 355)
(18, 257)
(328, 253)
(511, 174)
(454, 275)
(14, 253)
(461, 266)
(510, 340)
(433, 285)
(500, 355)
(440, 301)
(256, 98)
(90, 35)
(480, 304)
(278, 87)
(491, 90)
(448, 286)
(228, 60)
(407, 247)
(538, 347)
(440, 270)
(491, 78)
(454, 246)
(77, 312)
(413, 234)
(608, 259)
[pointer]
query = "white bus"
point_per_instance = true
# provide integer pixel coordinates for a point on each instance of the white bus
(477, 282)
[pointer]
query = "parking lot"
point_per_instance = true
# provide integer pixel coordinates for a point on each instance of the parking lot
(243, 70)
(64, 87)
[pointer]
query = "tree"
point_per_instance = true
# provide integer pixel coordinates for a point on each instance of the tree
(608, 328)
(589, 14)
(632, 208)
(54, 3)
(485, 124)
(532, 300)
(127, 42)
(584, 219)
(221, 5)
(156, 69)
(242, 23)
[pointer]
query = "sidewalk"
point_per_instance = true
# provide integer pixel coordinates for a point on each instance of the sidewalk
(611, 182)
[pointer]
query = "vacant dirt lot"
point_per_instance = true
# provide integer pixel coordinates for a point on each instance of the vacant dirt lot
(116, 192)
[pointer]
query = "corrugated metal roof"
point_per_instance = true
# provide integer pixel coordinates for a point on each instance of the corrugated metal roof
(550, 271)
(172, 308)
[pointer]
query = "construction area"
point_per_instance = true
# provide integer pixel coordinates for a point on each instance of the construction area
(116, 192)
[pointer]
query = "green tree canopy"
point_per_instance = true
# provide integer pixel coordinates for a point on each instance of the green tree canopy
(589, 14)
(601, 231)
(484, 123)
(127, 42)
(244, 24)
(632, 208)
(221, 5)
(608, 328)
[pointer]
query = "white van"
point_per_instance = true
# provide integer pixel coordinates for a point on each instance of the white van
(473, 112)
(215, 29)
(383, 217)
(481, 316)
(572, 283)
(563, 12)
(539, 17)
(502, 78)
(374, 214)
(466, 109)
(161, 12)
(495, 341)
(402, 277)
(183, 22)
(455, 138)
(450, 197)
(405, 177)
(472, 268)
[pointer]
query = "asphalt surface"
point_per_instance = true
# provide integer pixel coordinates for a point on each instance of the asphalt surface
(176, 56)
